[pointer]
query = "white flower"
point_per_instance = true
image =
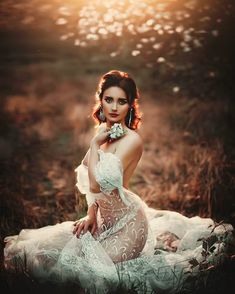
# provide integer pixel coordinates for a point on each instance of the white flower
(116, 131)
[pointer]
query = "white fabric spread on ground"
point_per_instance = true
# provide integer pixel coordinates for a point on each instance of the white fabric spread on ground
(134, 247)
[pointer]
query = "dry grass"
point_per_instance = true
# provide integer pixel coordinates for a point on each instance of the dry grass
(46, 130)
(180, 170)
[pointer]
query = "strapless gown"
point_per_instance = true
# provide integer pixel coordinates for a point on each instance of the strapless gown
(134, 246)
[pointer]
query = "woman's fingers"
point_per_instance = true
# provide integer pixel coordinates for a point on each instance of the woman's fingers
(93, 229)
(76, 222)
(85, 227)
(75, 228)
(79, 229)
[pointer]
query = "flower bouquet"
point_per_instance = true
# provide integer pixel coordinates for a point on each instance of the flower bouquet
(116, 131)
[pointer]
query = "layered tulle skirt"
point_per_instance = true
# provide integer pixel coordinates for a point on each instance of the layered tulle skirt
(177, 251)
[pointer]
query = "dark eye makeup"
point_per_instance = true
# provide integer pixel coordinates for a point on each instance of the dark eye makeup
(121, 101)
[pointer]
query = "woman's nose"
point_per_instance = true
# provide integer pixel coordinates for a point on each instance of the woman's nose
(114, 106)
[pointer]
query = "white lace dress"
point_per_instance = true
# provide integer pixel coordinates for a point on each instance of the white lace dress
(135, 246)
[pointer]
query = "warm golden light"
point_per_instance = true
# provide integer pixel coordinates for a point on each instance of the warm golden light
(184, 25)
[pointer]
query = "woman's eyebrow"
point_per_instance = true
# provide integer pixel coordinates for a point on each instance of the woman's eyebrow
(106, 96)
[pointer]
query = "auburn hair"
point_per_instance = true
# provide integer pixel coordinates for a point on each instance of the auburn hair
(123, 80)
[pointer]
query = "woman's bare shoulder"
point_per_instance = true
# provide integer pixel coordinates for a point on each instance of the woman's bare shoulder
(131, 143)
(134, 137)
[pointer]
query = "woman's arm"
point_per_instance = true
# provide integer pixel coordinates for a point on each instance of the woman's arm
(82, 225)
(85, 158)
(90, 160)
(97, 140)
(93, 159)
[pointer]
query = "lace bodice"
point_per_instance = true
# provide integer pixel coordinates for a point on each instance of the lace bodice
(108, 174)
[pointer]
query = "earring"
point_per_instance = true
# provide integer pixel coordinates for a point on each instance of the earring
(101, 114)
(130, 117)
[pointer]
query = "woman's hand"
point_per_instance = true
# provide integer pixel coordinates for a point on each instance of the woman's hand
(82, 225)
(102, 136)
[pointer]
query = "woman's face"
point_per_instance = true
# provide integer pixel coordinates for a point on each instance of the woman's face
(115, 105)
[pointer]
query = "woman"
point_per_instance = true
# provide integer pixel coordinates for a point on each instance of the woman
(121, 243)
(117, 103)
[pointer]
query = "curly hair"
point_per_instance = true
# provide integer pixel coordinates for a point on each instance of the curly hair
(123, 80)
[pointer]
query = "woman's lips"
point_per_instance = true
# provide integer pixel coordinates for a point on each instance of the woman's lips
(113, 114)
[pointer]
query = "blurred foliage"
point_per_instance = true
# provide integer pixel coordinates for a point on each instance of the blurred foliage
(181, 43)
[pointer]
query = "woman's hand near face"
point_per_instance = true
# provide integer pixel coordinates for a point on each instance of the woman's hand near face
(101, 137)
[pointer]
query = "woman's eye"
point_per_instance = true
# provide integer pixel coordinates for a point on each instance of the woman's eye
(108, 100)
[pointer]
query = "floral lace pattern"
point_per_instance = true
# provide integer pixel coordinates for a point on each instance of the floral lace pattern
(109, 174)
(123, 226)
(134, 247)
